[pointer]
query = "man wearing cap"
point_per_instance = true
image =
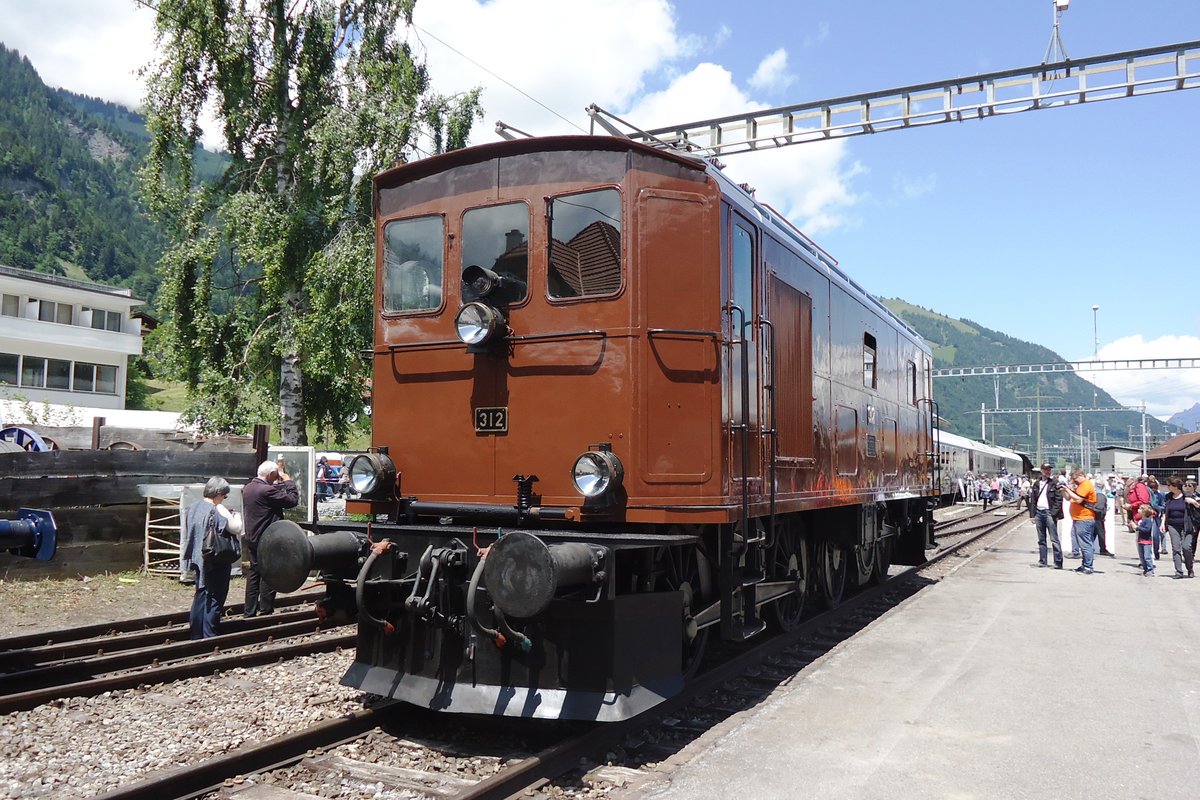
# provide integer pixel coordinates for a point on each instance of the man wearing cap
(1045, 509)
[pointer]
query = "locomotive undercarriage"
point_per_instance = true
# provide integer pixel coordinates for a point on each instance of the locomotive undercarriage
(556, 624)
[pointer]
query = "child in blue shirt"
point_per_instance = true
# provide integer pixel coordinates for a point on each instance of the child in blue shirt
(1145, 539)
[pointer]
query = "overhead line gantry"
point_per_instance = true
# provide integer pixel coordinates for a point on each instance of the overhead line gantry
(1132, 73)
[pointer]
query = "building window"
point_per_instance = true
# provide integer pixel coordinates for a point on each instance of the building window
(103, 320)
(85, 377)
(36, 372)
(106, 379)
(33, 372)
(9, 368)
(49, 311)
(58, 374)
(10, 305)
(869, 379)
(98, 378)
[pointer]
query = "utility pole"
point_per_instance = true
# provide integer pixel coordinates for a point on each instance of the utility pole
(1037, 395)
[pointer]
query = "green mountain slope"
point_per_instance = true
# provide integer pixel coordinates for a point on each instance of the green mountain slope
(962, 343)
(69, 200)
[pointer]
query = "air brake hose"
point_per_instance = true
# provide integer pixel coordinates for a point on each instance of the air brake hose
(495, 635)
(360, 587)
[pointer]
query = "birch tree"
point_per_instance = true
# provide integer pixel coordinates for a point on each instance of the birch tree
(267, 287)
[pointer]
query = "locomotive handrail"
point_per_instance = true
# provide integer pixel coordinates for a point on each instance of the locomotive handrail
(652, 332)
(773, 431)
(441, 343)
(533, 337)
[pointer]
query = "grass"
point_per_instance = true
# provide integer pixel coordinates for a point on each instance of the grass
(167, 395)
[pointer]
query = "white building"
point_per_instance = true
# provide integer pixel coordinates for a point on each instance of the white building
(64, 341)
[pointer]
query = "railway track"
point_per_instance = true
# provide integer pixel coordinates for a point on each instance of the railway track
(741, 678)
(151, 650)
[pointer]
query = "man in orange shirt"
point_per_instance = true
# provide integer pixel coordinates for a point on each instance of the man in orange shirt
(1083, 521)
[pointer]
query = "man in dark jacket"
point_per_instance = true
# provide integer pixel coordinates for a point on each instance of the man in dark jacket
(263, 501)
(1046, 509)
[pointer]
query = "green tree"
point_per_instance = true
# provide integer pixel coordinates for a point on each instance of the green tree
(268, 283)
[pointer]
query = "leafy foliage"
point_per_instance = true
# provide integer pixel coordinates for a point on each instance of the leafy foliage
(268, 281)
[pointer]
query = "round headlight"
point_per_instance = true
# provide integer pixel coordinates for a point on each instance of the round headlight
(371, 473)
(597, 472)
(476, 323)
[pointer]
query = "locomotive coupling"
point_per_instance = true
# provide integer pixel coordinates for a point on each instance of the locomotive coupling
(287, 554)
(523, 573)
(32, 534)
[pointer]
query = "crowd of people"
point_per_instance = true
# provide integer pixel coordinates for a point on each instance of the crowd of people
(1157, 517)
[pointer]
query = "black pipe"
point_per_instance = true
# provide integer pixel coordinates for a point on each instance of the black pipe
(489, 512)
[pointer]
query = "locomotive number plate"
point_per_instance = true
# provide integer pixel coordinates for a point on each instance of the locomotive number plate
(491, 420)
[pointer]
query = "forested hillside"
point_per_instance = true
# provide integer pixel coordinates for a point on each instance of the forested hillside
(69, 201)
(960, 342)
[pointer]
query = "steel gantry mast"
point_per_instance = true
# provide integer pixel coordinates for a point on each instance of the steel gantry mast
(1132, 73)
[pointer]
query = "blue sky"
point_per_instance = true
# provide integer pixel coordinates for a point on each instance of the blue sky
(1019, 223)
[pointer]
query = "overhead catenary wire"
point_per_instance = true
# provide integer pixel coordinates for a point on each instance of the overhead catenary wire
(508, 83)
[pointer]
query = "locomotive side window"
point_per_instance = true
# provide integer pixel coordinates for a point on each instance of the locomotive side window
(497, 238)
(869, 379)
(412, 264)
(910, 381)
(585, 244)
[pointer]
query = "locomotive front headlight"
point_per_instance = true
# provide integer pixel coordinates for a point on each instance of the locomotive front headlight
(372, 474)
(597, 472)
(477, 323)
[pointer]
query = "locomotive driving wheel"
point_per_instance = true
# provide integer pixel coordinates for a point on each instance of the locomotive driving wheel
(789, 560)
(686, 569)
(832, 564)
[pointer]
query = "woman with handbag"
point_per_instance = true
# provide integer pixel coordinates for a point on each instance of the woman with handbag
(211, 548)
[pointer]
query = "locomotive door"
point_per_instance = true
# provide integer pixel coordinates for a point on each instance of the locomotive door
(743, 382)
(791, 381)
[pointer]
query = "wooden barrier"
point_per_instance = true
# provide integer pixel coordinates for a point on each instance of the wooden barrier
(96, 502)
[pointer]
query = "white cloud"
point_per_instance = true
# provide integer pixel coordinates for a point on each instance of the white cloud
(1165, 391)
(821, 34)
(566, 55)
(772, 72)
(93, 48)
(809, 183)
(722, 36)
(910, 188)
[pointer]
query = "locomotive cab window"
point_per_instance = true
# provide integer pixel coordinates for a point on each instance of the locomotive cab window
(496, 238)
(585, 244)
(910, 382)
(412, 264)
(869, 379)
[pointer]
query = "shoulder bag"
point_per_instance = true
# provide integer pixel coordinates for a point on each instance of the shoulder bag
(219, 546)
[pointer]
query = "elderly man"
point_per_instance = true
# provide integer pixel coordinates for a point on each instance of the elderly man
(1045, 509)
(1082, 493)
(263, 501)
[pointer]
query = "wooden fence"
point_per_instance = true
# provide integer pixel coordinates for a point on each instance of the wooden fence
(96, 502)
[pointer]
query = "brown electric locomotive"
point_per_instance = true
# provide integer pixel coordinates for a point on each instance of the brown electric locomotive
(620, 406)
